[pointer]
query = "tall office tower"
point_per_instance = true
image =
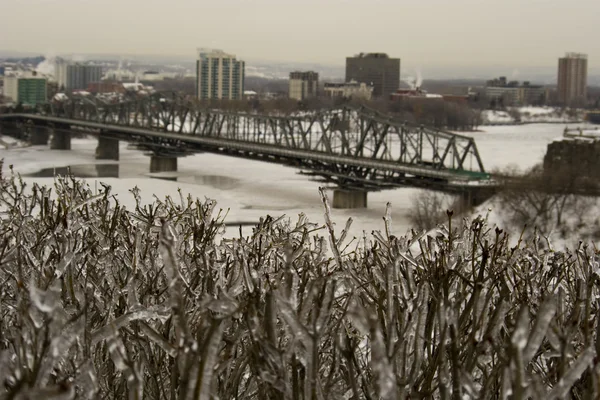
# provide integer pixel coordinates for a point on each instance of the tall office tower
(376, 70)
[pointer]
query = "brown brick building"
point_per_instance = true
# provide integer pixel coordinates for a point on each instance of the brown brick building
(106, 87)
(572, 79)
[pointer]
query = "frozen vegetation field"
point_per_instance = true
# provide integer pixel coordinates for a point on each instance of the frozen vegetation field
(102, 301)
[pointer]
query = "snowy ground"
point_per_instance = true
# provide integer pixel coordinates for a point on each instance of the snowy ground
(496, 117)
(522, 146)
(253, 189)
(529, 115)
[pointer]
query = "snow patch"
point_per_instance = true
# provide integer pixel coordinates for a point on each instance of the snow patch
(530, 114)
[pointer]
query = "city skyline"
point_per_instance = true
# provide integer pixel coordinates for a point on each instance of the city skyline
(438, 33)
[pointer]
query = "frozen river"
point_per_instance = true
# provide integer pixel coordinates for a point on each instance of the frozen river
(251, 189)
(521, 145)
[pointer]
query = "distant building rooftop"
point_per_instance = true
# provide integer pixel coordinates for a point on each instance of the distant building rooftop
(371, 55)
(60, 97)
(576, 55)
(304, 75)
(203, 52)
(352, 83)
(504, 83)
(24, 74)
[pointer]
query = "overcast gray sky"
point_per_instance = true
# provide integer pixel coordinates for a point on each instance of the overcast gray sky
(421, 32)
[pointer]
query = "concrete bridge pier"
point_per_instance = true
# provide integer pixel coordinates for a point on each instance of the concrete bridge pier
(60, 140)
(163, 164)
(38, 135)
(12, 129)
(475, 197)
(344, 198)
(107, 149)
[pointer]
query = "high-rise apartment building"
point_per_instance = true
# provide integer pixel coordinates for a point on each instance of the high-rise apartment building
(219, 76)
(303, 85)
(79, 76)
(375, 69)
(29, 89)
(572, 79)
(76, 76)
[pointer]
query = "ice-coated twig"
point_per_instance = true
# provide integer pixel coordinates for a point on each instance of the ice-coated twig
(209, 353)
(537, 334)
(330, 228)
(578, 367)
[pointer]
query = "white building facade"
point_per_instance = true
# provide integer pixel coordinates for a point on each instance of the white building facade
(348, 90)
(28, 89)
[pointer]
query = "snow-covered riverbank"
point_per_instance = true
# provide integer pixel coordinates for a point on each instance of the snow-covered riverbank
(531, 115)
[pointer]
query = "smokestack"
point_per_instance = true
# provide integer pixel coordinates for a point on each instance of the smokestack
(419, 81)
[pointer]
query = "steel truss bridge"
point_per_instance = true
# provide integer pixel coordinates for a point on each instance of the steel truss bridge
(353, 148)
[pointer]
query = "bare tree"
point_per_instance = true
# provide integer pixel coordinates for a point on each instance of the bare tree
(545, 201)
(429, 208)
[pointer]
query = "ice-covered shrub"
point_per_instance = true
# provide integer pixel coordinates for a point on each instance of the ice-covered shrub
(97, 301)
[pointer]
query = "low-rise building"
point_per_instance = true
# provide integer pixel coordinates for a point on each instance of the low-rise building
(515, 94)
(593, 117)
(28, 89)
(137, 88)
(303, 85)
(106, 87)
(456, 98)
(250, 94)
(348, 90)
(420, 94)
